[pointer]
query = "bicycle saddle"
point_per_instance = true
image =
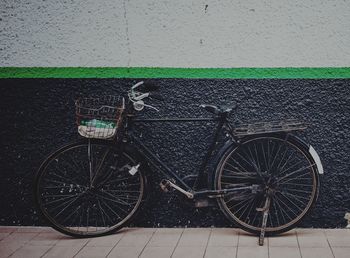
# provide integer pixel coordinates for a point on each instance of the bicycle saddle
(219, 109)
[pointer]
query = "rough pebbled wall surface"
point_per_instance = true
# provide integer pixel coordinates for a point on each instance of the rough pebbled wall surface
(38, 117)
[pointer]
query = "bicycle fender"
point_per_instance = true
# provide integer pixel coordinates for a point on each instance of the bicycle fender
(307, 147)
(317, 159)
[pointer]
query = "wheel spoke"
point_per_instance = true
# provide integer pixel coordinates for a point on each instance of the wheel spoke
(277, 166)
(243, 169)
(275, 156)
(295, 172)
(74, 206)
(287, 206)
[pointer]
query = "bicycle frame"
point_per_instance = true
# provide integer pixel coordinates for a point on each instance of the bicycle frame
(222, 123)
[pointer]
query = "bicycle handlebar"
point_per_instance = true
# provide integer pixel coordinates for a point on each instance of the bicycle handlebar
(137, 96)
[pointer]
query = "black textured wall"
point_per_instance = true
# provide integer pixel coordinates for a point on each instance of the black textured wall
(38, 116)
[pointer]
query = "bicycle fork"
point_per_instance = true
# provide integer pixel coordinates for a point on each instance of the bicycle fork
(90, 163)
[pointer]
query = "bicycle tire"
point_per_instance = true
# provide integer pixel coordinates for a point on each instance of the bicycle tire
(65, 198)
(277, 162)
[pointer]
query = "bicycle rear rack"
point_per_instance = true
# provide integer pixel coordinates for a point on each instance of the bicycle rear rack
(269, 127)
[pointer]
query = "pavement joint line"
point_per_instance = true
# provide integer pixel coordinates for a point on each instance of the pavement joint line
(10, 234)
(177, 243)
(50, 248)
(123, 234)
(296, 232)
(82, 247)
(239, 233)
(22, 244)
(16, 250)
(267, 239)
(154, 231)
(206, 246)
(324, 232)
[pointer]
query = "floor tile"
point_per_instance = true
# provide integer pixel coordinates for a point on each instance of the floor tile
(67, 241)
(288, 239)
(339, 241)
(19, 237)
(93, 252)
(195, 237)
(189, 252)
(285, 252)
(316, 252)
(337, 232)
(157, 251)
(341, 252)
(312, 238)
(246, 239)
(223, 237)
(36, 230)
(29, 251)
(110, 240)
(125, 252)
(136, 238)
(8, 229)
(139, 231)
(45, 238)
(220, 252)
(7, 249)
(3, 235)
(312, 233)
(252, 251)
(62, 252)
(165, 237)
(338, 237)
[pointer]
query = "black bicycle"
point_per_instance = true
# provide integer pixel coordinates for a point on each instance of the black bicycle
(265, 179)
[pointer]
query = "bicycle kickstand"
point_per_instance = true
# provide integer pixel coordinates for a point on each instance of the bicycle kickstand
(265, 210)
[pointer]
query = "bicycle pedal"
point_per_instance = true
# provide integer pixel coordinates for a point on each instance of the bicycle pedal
(164, 185)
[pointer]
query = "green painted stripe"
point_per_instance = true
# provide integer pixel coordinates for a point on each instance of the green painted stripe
(158, 72)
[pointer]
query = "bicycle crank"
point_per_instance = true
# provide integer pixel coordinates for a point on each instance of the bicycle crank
(166, 184)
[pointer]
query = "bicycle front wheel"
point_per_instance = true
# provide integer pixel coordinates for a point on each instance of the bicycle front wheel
(85, 189)
(276, 166)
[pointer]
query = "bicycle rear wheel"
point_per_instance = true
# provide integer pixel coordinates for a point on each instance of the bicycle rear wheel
(85, 188)
(277, 166)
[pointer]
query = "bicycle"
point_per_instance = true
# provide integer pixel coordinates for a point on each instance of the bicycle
(265, 178)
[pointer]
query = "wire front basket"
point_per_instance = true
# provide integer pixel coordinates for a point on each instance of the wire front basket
(99, 117)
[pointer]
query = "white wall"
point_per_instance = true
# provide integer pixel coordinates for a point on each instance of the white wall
(180, 33)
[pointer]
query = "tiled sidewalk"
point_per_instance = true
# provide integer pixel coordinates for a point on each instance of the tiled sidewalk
(30, 242)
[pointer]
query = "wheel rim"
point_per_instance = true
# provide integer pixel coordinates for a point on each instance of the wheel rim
(272, 165)
(67, 199)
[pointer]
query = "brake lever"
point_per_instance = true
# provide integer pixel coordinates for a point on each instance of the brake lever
(156, 109)
(132, 90)
(141, 96)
